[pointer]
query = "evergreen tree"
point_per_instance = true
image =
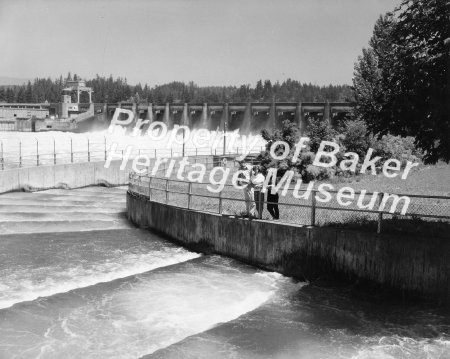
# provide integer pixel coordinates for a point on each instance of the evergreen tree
(258, 94)
(267, 93)
(29, 93)
(10, 95)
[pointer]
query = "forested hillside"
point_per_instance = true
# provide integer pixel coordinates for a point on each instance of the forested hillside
(109, 89)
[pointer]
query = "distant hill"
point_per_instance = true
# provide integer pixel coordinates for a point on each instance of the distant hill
(5, 81)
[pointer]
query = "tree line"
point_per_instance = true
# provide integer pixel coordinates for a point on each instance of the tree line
(109, 89)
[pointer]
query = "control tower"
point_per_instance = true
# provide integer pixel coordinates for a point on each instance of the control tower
(67, 109)
(78, 86)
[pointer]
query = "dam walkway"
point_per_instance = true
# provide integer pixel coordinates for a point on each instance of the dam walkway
(298, 211)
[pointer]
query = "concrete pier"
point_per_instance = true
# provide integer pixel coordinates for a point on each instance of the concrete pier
(395, 264)
(250, 116)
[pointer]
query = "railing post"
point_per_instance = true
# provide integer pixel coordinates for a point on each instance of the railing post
(380, 214)
(220, 202)
(150, 189)
(71, 151)
(89, 152)
(54, 151)
(189, 195)
(167, 191)
(105, 147)
(2, 160)
(20, 153)
(261, 205)
(313, 208)
(37, 152)
(130, 181)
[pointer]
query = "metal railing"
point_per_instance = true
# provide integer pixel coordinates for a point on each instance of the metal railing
(45, 153)
(164, 188)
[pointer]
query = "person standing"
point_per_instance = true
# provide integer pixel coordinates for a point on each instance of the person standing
(257, 181)
(272, 201)
(249, 198)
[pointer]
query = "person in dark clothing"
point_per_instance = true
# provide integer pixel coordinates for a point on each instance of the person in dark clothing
(272, 201)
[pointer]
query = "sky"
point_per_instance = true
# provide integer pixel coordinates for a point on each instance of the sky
(210, 42)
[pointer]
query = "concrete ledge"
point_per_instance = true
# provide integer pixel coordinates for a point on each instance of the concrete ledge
(417, 266)
(71, 175)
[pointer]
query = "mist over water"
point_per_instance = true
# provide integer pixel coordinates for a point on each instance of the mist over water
(24, 146)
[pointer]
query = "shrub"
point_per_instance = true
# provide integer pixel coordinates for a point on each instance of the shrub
(319, 131)
(354, 136)
(400, 148)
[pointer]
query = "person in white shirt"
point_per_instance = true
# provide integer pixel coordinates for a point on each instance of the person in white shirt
(257, 181)
(248, 190)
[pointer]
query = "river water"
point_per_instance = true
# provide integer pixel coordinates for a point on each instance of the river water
(77, 280)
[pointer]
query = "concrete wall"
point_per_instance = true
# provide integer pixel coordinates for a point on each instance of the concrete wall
(54, 125)
(71, 175)
(7, 125)
(22, 110)
(400, 265)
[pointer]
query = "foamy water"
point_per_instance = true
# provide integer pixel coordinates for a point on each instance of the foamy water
(77, 280)
(75, 260)
(118, 292)
(136, 315)
(122, 292)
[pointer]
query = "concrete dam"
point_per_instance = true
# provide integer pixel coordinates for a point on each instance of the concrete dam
(248, 117)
